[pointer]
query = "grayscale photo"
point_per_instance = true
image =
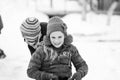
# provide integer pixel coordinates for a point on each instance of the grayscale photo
(60, 40)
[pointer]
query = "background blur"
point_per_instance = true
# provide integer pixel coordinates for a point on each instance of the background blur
(97, 41)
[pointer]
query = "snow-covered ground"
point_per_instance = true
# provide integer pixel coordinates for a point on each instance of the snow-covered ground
(98, 43)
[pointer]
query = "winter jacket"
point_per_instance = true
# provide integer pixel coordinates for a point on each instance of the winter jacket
(1, 24)
(60, 66)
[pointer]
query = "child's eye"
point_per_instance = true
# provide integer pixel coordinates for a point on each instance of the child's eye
(53, 37)
(60, 37)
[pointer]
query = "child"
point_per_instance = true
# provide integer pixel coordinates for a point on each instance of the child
(52, 60)
(33, 31)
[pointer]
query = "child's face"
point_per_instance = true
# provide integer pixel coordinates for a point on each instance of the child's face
(57, 38)
(33, 41)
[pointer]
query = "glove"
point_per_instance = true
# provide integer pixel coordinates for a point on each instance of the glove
(48, 76)
(76, 76)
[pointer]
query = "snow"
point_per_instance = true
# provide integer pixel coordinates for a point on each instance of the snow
(98, 43)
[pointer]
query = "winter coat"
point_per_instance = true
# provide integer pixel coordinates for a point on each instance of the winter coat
(61, 66)
(1, 24)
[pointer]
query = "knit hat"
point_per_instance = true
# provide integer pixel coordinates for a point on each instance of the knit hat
(56, 24)
(31, 29)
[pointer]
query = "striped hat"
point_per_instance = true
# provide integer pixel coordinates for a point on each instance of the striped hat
(31, 29)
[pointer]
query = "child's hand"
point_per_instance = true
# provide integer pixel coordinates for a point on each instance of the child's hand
(76, 76)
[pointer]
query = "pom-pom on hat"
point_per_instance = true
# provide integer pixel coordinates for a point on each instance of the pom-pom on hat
(56, 24)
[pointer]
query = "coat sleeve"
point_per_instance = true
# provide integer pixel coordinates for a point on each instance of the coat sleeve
(1, 23)
(34, 66)
(79, 62)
